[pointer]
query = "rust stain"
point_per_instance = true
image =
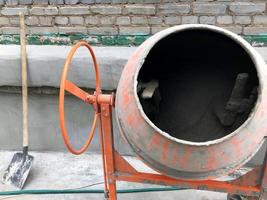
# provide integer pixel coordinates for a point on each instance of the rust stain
(211, 162)
(154, 142)
(181, 158)
(130, 119)
(165, 151)
(125, 100)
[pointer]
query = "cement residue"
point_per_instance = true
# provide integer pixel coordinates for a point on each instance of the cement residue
(195, 83)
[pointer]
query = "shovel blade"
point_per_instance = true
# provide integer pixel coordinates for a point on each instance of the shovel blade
(18, 170)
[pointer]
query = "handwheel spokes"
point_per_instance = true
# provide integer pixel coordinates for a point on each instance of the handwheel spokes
(66, 85)
(75, 90)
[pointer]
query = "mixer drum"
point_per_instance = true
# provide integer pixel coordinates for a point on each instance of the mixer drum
(191, 102)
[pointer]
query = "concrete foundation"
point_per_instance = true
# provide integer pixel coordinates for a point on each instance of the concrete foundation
(55, 170)
(44, 127)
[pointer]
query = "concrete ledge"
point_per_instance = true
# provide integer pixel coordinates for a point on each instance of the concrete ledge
(45, 65)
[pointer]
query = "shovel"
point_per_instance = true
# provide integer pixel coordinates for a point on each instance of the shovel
(19, 168)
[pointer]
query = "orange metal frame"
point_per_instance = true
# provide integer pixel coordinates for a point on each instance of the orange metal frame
(116, 168)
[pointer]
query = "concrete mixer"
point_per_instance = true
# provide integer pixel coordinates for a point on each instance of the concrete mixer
(191, 102)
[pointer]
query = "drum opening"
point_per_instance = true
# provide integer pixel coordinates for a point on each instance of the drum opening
(197, 85)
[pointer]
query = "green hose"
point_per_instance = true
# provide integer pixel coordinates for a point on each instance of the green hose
(92, 191)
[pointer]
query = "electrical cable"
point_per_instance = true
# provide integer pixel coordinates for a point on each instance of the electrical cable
(77, 188)
(91, 191)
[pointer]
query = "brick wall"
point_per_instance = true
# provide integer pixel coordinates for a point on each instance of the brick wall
(131, 17)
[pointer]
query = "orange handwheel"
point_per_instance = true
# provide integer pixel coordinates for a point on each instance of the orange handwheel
(65, 84)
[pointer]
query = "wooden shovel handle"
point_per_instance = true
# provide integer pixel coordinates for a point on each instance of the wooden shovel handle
(24, 81)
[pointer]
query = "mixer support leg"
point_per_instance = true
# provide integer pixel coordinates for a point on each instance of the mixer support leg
(108, 150)
(263, 195)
